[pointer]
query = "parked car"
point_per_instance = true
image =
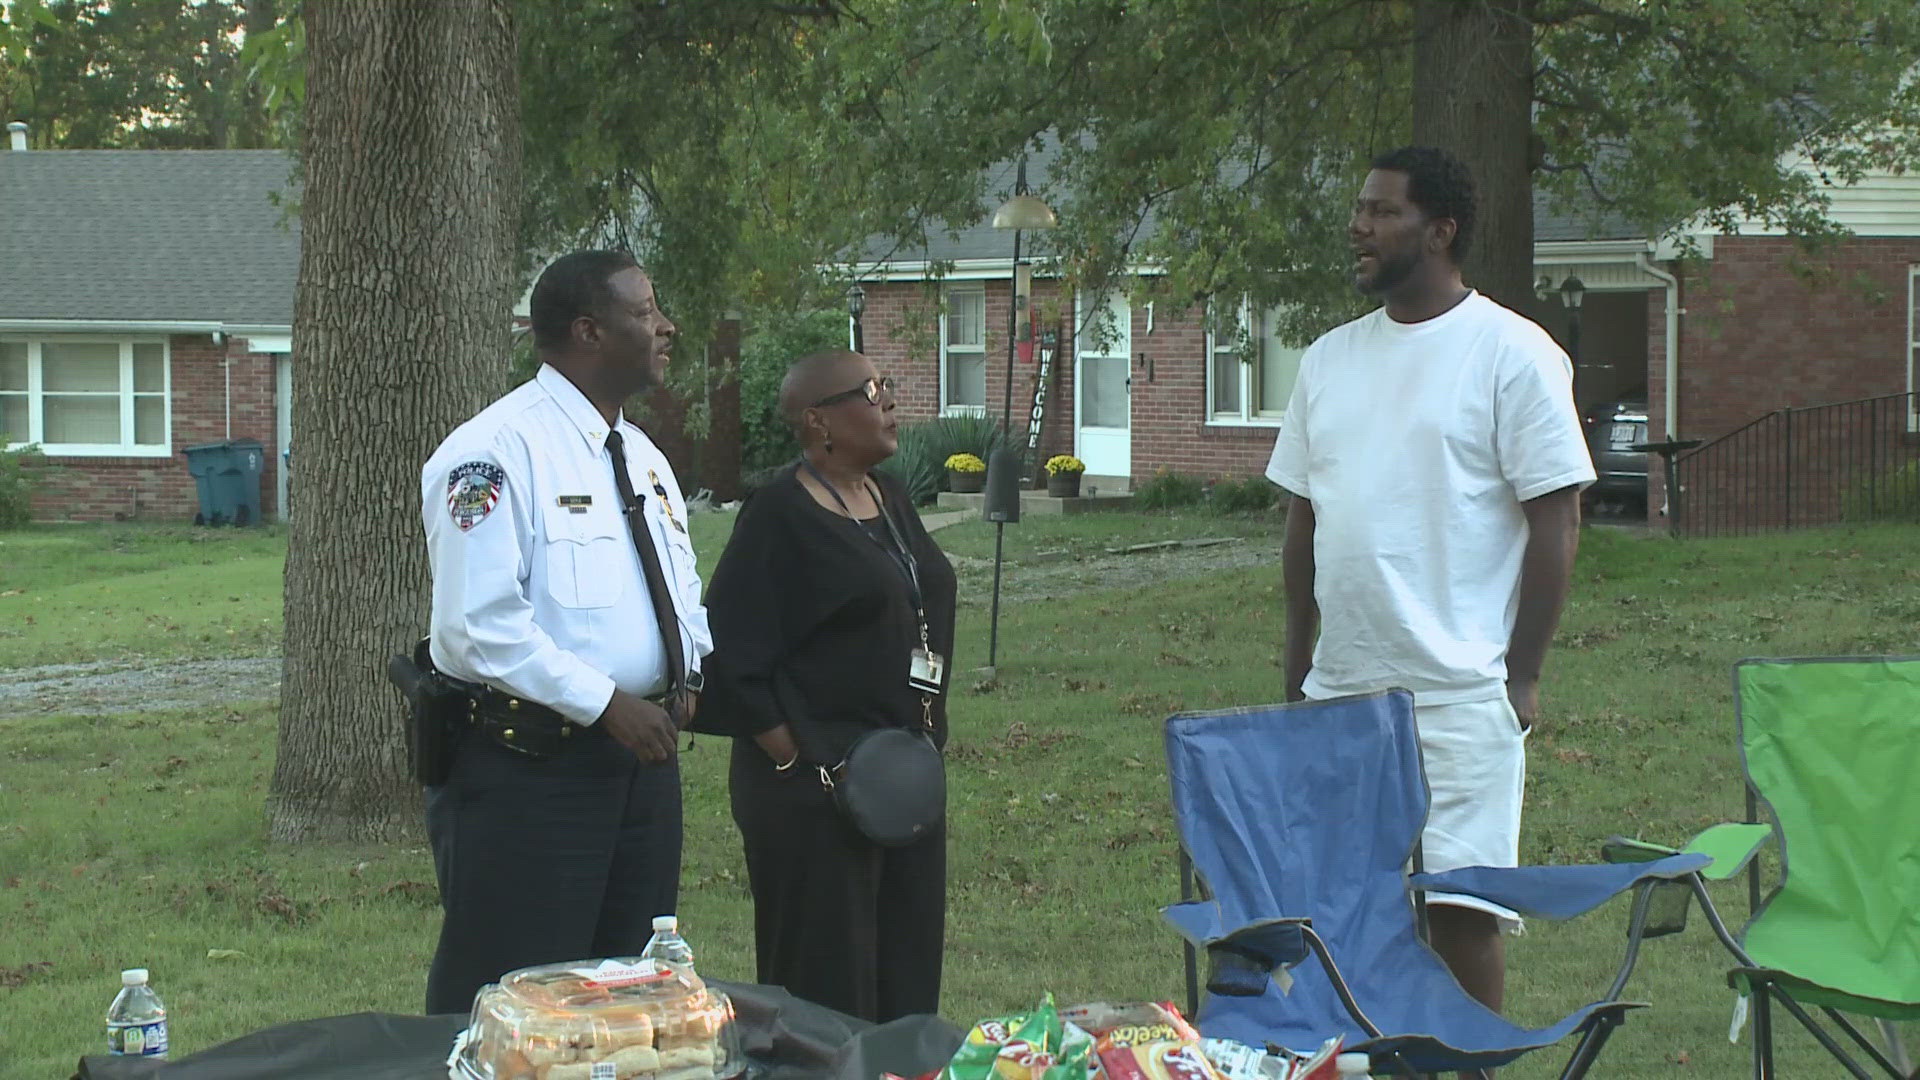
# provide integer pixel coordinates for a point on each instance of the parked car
(1612, 426)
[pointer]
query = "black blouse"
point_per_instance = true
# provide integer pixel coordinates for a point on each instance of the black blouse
(814, 625)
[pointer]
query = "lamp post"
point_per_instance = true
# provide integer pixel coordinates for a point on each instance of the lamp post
(1006, 465)
(857, 306)
(1572, 292)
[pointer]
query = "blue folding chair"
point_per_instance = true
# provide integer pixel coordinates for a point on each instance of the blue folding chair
(1302, 823)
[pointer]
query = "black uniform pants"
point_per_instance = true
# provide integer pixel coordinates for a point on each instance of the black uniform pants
(837, 919)
(545, 861)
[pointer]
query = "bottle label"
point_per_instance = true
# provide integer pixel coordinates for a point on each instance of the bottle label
(147, 1039)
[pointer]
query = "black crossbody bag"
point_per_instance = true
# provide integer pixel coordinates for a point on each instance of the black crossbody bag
(892, 785)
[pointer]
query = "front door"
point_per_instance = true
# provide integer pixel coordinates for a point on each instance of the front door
(1103, 386)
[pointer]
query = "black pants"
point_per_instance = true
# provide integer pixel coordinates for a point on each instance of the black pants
(545, 861)
(837, 920)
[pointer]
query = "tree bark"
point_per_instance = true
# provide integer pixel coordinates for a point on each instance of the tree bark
(411, 151)
(1473, 96)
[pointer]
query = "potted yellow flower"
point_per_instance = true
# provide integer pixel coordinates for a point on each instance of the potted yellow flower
(1063, 475)
(966, 473)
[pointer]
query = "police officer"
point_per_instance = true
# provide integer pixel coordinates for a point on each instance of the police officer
(557, 833)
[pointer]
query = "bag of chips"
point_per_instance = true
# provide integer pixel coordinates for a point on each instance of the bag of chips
(1144, 1041)
(1037, 1046)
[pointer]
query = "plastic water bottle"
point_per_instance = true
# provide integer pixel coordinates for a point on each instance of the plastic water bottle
(1352, 1066)
(666, 945)
(136, 1021)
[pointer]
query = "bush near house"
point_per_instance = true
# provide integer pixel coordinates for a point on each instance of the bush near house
(1169, 490)
(920, 463)
(21, 473)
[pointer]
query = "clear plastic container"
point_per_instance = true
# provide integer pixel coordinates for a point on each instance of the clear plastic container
(136, 1021)
(626, 1019)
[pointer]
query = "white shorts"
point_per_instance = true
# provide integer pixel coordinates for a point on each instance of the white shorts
(1476, 760)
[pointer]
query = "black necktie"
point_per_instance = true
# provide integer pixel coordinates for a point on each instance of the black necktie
(663, 609)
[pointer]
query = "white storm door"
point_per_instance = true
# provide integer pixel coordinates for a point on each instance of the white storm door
(1103, 386)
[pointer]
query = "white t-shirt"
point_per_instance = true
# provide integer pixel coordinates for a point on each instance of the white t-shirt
(1416, 443)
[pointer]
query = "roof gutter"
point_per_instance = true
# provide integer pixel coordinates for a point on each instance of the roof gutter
(141, 326)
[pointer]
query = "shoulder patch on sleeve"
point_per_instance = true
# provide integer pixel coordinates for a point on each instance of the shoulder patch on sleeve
(473, 490)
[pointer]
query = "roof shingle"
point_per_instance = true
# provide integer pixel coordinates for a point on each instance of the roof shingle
(148, 235)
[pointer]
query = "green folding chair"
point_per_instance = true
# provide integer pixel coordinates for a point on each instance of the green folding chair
(1831, 748)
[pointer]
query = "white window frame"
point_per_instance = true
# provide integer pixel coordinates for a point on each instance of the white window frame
(948, 407)
(36, 395)
(1248, 414)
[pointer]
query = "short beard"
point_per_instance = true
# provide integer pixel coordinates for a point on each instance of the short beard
(1389, 276)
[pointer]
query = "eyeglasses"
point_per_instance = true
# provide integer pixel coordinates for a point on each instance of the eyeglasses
(871, 389)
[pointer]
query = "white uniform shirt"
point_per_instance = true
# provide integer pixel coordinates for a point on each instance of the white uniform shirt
(537, 588)
(1416, 444)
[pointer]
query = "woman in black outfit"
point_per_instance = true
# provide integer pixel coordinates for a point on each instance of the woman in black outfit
(815, 625)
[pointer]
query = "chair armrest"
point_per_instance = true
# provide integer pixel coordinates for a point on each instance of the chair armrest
(1557, 892)
(1241, 958)
(1731, 846)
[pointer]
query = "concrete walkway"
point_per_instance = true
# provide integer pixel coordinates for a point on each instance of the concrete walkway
(940, 519)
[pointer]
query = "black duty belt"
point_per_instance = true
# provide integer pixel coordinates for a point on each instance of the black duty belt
(522, 726)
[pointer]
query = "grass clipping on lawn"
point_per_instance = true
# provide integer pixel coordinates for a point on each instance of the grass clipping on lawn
(138, 839)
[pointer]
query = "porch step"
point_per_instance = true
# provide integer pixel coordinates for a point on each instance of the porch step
(1039, 502)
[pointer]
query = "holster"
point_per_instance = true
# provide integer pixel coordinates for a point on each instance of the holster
(436, 713)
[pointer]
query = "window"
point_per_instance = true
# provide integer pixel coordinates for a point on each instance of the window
(963, 350)
(1250, 373)
(76, 396)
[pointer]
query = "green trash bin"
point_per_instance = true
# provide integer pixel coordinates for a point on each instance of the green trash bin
(226, 476)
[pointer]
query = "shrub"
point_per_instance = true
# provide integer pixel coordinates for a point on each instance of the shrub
(1168, 490)
(20, 475)
(1894, 495)
(766, 443)
(920, 462)
(1243, 495)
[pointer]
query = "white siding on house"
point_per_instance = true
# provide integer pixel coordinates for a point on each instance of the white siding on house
(1881, 204)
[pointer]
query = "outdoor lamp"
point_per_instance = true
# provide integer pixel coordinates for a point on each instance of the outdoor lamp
(1023, 211)
(856, 306)
(1572, 291)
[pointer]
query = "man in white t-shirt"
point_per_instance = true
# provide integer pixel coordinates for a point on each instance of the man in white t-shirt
(1435, 462)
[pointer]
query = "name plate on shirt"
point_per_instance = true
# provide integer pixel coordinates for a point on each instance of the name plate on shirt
(575, 504)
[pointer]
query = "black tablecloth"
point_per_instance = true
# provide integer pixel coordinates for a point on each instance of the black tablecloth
(784, 1037)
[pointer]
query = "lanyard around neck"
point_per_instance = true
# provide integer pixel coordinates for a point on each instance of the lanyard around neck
(901, 554)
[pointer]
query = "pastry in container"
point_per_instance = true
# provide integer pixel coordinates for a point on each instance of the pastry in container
(599, 1020)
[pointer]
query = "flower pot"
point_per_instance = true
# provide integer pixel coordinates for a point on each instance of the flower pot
(1064, 485)
(966, 482)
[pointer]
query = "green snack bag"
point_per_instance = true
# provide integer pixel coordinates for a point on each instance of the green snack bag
(1037, 1046)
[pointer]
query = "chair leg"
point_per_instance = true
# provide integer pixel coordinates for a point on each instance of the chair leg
(1890, 1062)
(1762, 1032)
(1588, 1051)
(1896, 1049)
(1192, 958)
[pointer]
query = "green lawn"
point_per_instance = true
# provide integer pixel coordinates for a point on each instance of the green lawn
(139, 839)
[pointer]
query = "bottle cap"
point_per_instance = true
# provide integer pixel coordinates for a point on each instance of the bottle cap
(133, 977)
(663, 923)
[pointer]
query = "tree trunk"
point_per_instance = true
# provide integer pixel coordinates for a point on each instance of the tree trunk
(411, 153)
(1473, 95)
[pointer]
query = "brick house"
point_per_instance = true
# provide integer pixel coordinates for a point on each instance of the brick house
(1741, 330)
(146, 305)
